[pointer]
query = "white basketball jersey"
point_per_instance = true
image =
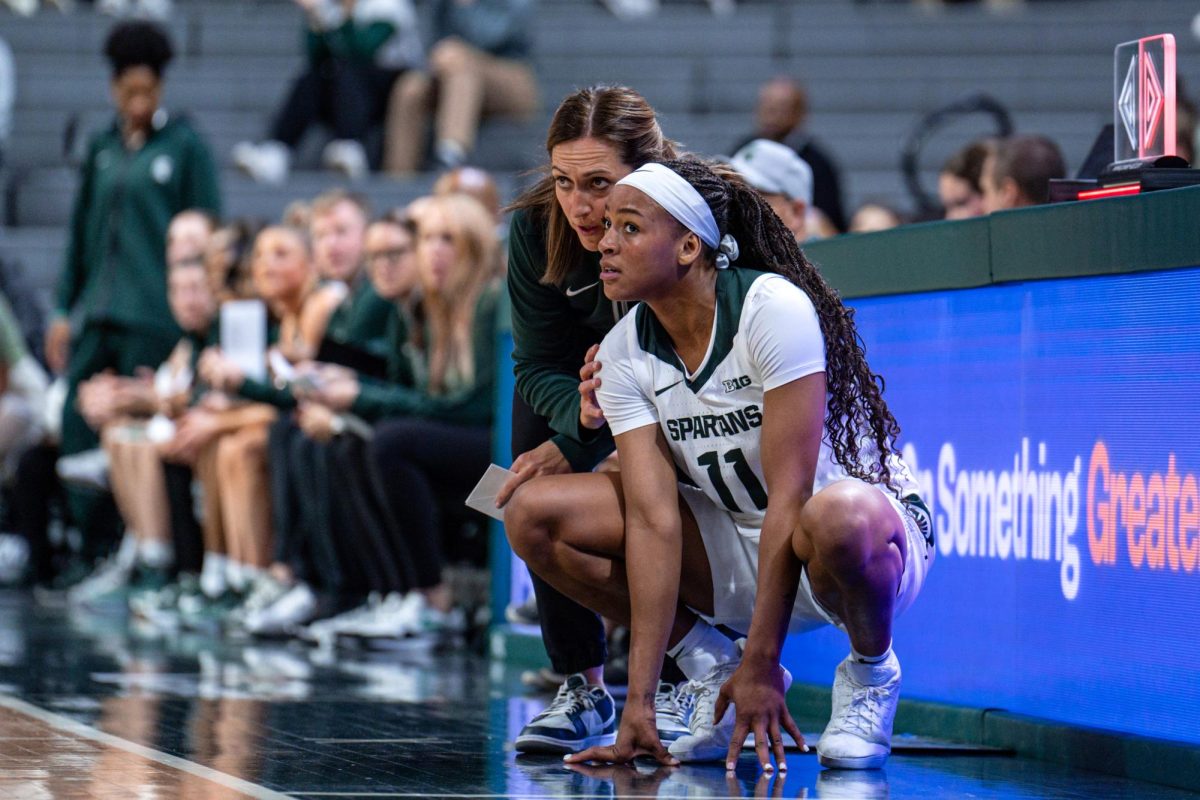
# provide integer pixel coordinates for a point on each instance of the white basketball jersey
(766, 334)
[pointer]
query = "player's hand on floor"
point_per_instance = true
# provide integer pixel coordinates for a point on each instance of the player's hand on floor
(757, 695)
(637, 736)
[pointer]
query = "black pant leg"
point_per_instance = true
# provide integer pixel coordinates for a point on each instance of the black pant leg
(301, 108)
(36, 487)
(363, 543)
(573, 635)
(411, 497)
(185, 530)
(358, 97)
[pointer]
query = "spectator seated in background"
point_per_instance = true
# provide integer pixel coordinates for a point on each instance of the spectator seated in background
(227, 259)
(478, 67)
(337, 227)
(432, 440)
(356, 49)
(780, 116)
(960, 183)
(1018, 171)
(783, 179)
(874, 216)
(225, 438)
(132, 415)
(136, 469)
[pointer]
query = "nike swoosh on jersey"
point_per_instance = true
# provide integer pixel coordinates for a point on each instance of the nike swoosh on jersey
(657, 392)
(572, 292)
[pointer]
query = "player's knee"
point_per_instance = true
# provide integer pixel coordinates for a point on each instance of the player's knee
(525, 523)
(839, 526)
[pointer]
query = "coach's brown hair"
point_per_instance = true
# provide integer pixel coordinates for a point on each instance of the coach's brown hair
(615, 114)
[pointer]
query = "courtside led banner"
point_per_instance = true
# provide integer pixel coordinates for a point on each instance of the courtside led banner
(1055, 427)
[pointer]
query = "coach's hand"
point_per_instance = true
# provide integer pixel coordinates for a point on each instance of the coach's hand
(591, 417)
(637, 736)
(545, 459)
(757, 695)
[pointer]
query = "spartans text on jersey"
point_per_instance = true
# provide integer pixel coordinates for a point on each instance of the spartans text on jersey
(707, 426)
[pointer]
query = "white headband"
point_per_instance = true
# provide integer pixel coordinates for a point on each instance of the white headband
(680, 199)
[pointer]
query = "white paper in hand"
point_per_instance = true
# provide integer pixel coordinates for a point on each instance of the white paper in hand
(244, 336)
(483, 496)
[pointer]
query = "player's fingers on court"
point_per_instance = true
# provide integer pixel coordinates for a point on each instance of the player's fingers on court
(606, 754)
(777, 745)
(735, 744)
(592, 352)
(791, 727)
(762, 740)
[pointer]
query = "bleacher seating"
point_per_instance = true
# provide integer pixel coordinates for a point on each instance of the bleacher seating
(873, 70)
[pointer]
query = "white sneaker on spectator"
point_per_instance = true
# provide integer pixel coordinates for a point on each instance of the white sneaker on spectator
(346, 156)
(153, 9)
(265, 162)
(632, 9)
(390, 619)
(265, 591)
(116, 8)
(526, 613)
(110, 574)
(708, 740)
(88, 468)
(859, 733)
(326, 630)
(25, 8)
(296, 607)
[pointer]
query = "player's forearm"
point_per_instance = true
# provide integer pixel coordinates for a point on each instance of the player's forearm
(653, 558)
(778, 582)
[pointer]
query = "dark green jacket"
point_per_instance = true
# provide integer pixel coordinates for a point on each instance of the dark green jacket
(349, 41)
(115, 266)
(553, 327)
(468, 405)
(362, 320)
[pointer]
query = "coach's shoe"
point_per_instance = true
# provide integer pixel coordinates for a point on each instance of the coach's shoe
(859, 734)
(581, 716)
(671, 715)
(708, 740)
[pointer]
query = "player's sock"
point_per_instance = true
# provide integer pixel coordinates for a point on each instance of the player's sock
(701, 649)
(861, 666)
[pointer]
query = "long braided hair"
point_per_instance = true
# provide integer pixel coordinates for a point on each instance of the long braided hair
(855, 403)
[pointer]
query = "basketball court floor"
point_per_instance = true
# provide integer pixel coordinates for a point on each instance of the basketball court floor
(95, 707)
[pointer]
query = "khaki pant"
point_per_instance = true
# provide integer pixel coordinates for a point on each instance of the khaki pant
(470, 84)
